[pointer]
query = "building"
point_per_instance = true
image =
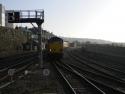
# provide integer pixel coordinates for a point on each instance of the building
(45, 36)
(10, 25)
(2, 15)
(65, 44)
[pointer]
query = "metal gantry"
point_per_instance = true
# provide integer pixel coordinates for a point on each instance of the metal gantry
(29, 16)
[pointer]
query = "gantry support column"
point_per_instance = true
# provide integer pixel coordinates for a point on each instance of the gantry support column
(29, 16)
(40, 44)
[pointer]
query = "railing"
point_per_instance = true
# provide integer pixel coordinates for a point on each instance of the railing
(25, 16)
(32, 14)
(29, 13)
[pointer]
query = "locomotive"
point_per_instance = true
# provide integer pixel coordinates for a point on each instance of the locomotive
(54, 48)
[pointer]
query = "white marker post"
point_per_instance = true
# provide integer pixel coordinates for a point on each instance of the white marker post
(46, 73)
(11, 72)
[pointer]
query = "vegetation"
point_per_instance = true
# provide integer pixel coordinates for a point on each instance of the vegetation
(11, 41)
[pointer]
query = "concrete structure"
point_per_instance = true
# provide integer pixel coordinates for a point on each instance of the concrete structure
(10, 25)
(2, 15)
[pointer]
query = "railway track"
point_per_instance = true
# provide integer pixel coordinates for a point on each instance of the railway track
(113, 72)
(108, 81)
(73, 82)
(8, 61)
(112, 61)
(18, 63)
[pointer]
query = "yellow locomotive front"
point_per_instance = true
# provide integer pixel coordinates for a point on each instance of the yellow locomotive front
(55, 48)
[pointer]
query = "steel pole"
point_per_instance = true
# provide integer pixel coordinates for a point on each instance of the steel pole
(40, 45)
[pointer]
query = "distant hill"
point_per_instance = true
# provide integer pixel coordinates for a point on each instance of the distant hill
(98, 41)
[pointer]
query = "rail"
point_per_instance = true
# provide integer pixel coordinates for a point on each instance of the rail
(94, 74)
(68, 87)
(18, 64)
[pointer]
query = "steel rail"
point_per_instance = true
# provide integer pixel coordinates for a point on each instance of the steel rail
(117, 87)
(17, 72)
(119, 90)
(20, 66)
(93, 87)
(67, 86)
(102, 66)
(10, 60)
(92, 66)
(17, 59)
(16, 63)
(71, 69)
(115, 66)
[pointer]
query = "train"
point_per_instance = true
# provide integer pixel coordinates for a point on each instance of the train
(54, 48)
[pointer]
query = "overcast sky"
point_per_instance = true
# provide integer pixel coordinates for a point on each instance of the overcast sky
(99, 19)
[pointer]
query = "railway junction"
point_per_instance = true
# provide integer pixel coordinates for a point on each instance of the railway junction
(78, 72)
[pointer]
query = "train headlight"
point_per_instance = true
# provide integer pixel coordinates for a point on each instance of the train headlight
(50, 50)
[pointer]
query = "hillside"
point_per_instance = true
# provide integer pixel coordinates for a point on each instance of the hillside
(98, 41)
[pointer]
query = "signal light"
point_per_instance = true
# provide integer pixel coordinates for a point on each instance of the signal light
(10, 17)
(13, 17)
(16, 16)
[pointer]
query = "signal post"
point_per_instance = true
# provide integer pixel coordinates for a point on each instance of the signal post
(29, 16)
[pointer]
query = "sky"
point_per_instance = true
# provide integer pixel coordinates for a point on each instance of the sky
(97, 19)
